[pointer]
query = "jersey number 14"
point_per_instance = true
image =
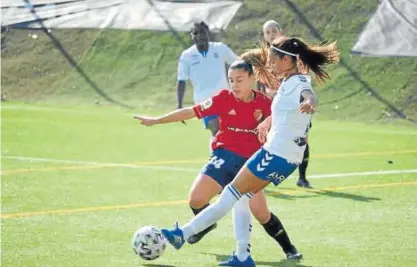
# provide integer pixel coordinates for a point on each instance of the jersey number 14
(216, 162)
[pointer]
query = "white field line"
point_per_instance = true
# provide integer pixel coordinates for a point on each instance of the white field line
(173, 168)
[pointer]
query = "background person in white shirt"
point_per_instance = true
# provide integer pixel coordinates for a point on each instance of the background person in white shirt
(204, 64)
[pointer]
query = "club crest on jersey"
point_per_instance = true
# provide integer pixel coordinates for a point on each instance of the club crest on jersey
(216, 55)
(206, 104)
(258, 114)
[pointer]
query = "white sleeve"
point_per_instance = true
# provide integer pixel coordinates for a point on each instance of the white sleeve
(306, 83)
(183, 73)
(228, 55)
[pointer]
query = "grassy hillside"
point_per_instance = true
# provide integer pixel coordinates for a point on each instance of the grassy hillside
(139, 67)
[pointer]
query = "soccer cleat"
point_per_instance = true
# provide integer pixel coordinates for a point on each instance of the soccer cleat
(294, 254)
(303, 182)
(175, 237)
(234, 261)
(197, 237)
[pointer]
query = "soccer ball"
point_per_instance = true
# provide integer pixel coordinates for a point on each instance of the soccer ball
(148, 243)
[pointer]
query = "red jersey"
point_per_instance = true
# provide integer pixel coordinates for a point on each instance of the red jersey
(237, 121)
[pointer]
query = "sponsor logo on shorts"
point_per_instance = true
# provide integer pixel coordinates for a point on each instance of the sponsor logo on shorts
(276, 177)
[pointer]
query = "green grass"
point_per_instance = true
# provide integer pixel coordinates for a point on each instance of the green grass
(139, 67)
(353, 221)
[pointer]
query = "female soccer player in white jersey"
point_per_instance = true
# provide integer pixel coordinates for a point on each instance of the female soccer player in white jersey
(291, 109)
(204, 64)
(272, 30)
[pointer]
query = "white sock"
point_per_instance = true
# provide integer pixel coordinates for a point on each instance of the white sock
(243, 227)
(213, 213)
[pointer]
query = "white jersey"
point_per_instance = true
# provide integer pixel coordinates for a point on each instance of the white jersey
(206, 72)
(287, 136)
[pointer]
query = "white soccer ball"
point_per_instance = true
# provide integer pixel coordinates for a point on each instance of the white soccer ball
(148, 243)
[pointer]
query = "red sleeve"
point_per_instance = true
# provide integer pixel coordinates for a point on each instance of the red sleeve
(212, 106)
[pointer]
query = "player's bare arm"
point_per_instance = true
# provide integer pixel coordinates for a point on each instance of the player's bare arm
(263, 129)
(174, 116)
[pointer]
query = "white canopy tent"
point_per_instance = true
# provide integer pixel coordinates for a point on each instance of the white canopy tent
(392, 30)
(119, 14)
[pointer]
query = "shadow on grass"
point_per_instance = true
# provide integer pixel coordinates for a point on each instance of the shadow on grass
(281, 263)
(292, 194)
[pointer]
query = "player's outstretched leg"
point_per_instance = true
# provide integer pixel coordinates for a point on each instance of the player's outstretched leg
(209, 216)
(208, 184)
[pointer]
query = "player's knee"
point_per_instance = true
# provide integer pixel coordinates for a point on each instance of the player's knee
(196, 200)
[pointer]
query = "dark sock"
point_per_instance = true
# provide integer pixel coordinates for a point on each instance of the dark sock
(302, 169)
(276, 230)
(197, 211)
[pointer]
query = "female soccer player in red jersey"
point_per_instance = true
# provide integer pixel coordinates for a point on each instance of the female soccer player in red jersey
(240, 111)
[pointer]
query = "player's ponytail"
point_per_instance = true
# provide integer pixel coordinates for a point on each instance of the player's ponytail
(258, 58)
(314, 58)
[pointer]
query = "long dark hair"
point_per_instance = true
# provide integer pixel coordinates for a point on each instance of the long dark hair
(314, 57)
(258, 59)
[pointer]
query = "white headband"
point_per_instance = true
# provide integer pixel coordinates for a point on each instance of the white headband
(283, 51)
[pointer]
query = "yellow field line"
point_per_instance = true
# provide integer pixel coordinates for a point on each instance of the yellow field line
(58, 168)
(180, 202)
(170, 162)
(87, 209)
(97, 166)
(174, 162)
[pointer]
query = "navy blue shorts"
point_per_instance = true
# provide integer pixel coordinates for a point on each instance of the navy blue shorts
(207, 119)
(223, 166)
(269, 167)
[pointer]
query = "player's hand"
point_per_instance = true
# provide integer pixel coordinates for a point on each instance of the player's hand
(147, 121)
(262, 130)
(307, 107)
